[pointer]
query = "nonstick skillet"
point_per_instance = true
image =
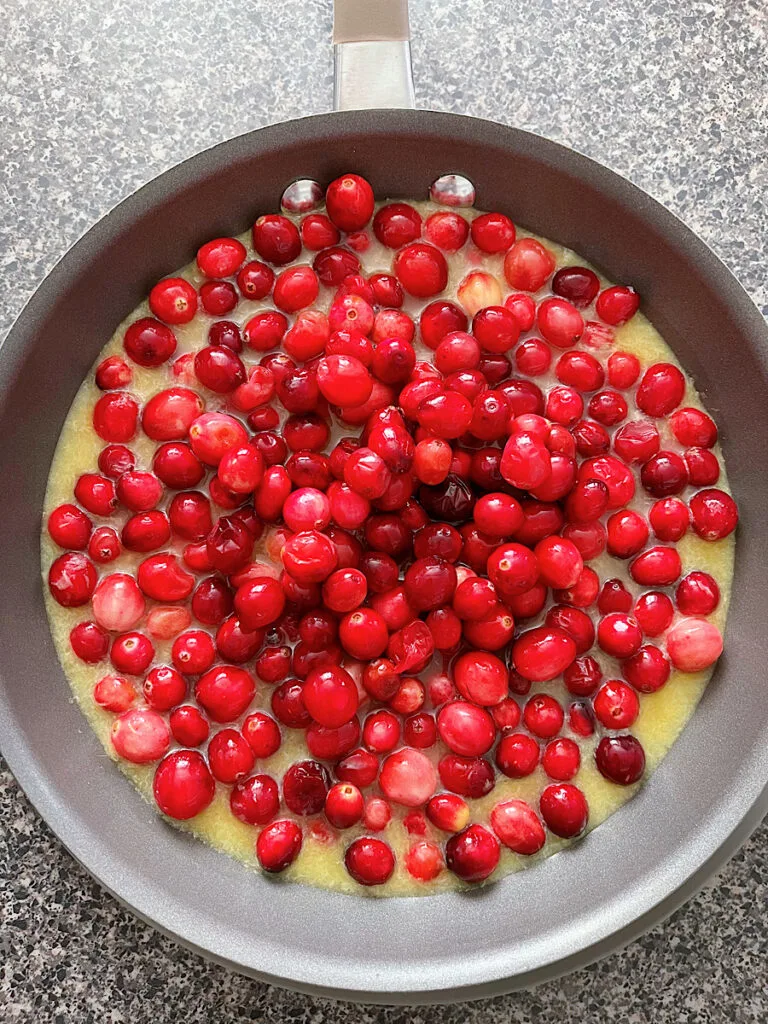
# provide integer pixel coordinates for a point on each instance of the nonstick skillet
(709, 792)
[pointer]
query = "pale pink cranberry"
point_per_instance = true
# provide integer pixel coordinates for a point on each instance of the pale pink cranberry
(694, 644)
(140, 735)
(114, 693)
(477, 291)
(118, 603)
(424, 861)
(408, 777)
(518, 827)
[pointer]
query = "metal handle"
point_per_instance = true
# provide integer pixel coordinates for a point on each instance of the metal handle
(372, 55)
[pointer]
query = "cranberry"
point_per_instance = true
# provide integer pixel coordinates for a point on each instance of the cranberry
(132, 653)
(693, 428)
(225, 692)
(358, 767)
(560, 322)
(149, 343)
(702, 467)
(69, 527)
(469, 776)
(496, 329)
(619, 635)
(96, 493)
(617, 478)
(114, 693)
(140, 735)
(173, 300)
(369, 861)
(627, 533)
(617, 304)
(527, 265)
(330, 696)
(397, 224)
(620, 759)
(661, 390)
(465, 728)
(363, 633)
(349, 201)
(561, 759)
(697, 594)
(472, 855)
(714, 514)
(118, 604)
(656, 567)
(116, 459)
(421, 269)
(481, 677)
(169, 415)
(115, 417)
(543, 653)
(654, 612)
(525, 462)
(637, 441)
(72, 580)
(694, 644)
(447, 230)
(139, 491)
(408, 777)
(669, 518)
(564, 809)
(113, 372)
(448, 812)
(648, 670)
(279, 845)
(230, 757)
(318, 231)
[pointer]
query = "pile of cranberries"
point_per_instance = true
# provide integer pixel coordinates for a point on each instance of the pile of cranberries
(424, 573)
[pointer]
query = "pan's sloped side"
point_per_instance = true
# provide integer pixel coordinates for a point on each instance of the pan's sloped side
(708, 793)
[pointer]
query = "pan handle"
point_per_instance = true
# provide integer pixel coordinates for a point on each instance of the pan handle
(372, 55)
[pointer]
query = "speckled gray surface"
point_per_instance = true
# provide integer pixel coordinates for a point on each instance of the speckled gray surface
(100, 96)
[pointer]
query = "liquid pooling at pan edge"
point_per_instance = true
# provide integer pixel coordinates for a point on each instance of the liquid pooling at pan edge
(540, 371)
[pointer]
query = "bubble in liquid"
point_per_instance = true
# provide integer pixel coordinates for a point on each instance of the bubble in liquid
(302, 196)
(452, 190)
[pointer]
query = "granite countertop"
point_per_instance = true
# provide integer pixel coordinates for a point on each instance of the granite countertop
(102, 95)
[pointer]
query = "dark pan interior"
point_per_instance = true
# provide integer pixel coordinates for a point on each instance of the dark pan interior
(574, 907)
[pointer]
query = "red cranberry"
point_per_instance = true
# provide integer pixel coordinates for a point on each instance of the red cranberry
(617, 304)
(369, 861)
(256, 800)
(173, 300)
(637, 441)
(116, 459)
(518, 827)
(661, 390)
(627, 533)
(276, 239)
(648, 670)
(193, 652)
(229, 756)
(493, 232)
(654, 611)
(132, 653)
(349, 201)
(582, 677)
(560, 322)
(496, 329)
(616, 705)
(564, 809)
(113, 372)
(693, 428)
(527, 265)
(278, 845)
(330, 696)
(189, 726)
(225, 692)
(656, 567)
(481, 677)
(472, 855)
(465, 728)
(468, 776)
(89, 642)
(447, 230)
(69, 527)
(169, 415)
(543, 653)
(397, 224)
(620, 759)
(72, 580)
(697, 594)
(714, 514)
(619, 635)
(669, 518)
(149, 343)
(421, 269)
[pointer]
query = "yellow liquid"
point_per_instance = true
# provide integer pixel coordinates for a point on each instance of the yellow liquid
(662, 714)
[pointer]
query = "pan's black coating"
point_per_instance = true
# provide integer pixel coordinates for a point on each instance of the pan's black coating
(707, 795)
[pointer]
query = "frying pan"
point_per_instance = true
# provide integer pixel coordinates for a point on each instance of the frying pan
(709, 792)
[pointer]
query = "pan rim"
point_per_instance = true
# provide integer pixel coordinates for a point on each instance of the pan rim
(731, 820)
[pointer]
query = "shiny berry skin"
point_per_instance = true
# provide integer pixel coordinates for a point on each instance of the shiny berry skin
(714, 514)
(305, 786)
(472, 855)
(543, 653)
(140, 736)
(496, 329)
(173, 300)
(349, 202)
(115, 417)
(619, 635)
(149, 342)
(669, 518)
(657, 567)
(279, 845)
(465, 728)
(224, 692)
(188, 726)
(636, 441)
(317, 232)
(468, 776)
(702, 467)
(183, 786)
(72, 580)
(517, 755)
(560, 322)
(492, 232)
(254, 800)
(617, 304)
(113, 372)
(518, 827)
(408, 777)
(481, 677)
(344, 380)
(114, 693)
(654, 611)
(330, 696)
(620, 759)
(295, 289)
(693, 428)
(616, 705)
(344, 805)
(694, 644)
(661, 390)
(564, 809)
(697, 594)
(89, 642)
(397, 224)
(543, 716)
(69, 527)
(627, 533)
(369, 861)
(648, 670)
(309, 556)
(421, 269)
(221, 257)
(229, 756)
(116, 459)
(276, 239)
(578, 285)
(527, 265)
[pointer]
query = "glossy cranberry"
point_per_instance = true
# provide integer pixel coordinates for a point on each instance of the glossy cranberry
(169, 415)
(273, 664)
(517, 754)
(468, 776)
(96, 494)
(116, 459)
(617, 478)
(115, 417)
(664, 474)
(421, 269)
(140, 736)
(162, 578)
(648, 670)
(173, 300)
(255, 800)
(89, 642)
(472, 855)
(527, 265)
(177, 466)
(637, 441)
(543, 653)
(279, 845)
(465, 728)
(318, 231)
(363, 633)
(132, 653)
(69, 527)
(188, 726)
(619, 635)
(407, 777)
(447, 230)
(149, 342)
(617, 304)
(583, 676)
(117, 602)
(397, 224)
(474, 599)
(360, 767)
(276, 239)
(616, 705)
(496, 328)
(694, 644)
(113, 372)
(657, 567)
(349, 201)
(620, 759)
(714, 514)
(72, 580)
(654, 611)
(369, 861)
(627, 533)
(669, 518)
(114, 693)
(230, 757)
(183, 786)
(564, 809)
(225, 692)
(218, 297)
(295, 289)
(697, 594)
(702, 467)
(330, 696)
(661, 390)
(420, 731)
